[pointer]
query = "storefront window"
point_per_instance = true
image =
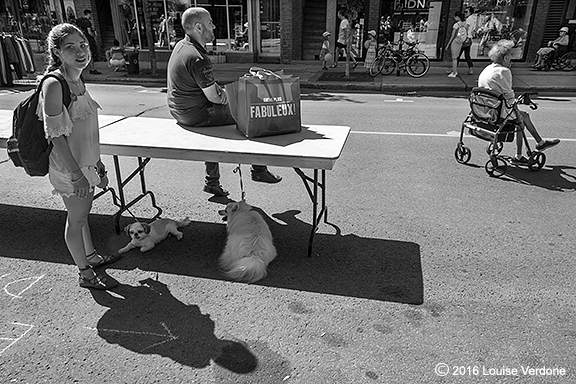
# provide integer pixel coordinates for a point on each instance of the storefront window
(497, 19)
(229, 16)
(270, 27)
(412, 20)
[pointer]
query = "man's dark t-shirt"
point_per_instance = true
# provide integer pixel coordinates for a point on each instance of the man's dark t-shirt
(189, 70)
(83, 23)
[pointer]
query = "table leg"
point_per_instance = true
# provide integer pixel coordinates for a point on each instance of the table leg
(125, 206)
(313, 186)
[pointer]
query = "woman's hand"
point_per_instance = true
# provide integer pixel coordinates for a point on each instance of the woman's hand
(81, 185)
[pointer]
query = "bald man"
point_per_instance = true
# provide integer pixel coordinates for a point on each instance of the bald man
(194, 97)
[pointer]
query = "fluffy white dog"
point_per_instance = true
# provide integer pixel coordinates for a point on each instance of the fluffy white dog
(249, 248)
(145, 236)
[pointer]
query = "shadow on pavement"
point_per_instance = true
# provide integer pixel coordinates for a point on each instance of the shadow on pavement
(148, 319)
(346, 265)
(554, 178)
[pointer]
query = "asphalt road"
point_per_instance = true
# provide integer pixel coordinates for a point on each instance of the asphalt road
(429, 272)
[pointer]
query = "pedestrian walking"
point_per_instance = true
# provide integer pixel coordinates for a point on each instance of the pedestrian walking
(344, 40)
(467, 44)
(85, 25)
(75, 166)
(457, 38)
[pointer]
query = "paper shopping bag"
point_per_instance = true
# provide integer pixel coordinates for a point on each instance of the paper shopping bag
(265, 103)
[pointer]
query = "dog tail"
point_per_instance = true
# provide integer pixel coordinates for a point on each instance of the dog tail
(183, 223)
(247, 269)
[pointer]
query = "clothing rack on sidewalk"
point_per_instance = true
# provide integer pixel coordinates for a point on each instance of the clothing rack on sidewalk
(16, 58)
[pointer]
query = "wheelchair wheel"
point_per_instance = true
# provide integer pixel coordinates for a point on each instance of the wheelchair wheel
(497, 149)
(462, 154)
(495, 167)
(536, 161)
(568, 61)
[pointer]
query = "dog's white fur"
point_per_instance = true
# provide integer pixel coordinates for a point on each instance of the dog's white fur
(145, 236)
(249, 247)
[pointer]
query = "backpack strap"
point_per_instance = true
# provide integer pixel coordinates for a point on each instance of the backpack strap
(66, 97)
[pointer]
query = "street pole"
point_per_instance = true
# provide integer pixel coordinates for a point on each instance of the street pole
(149, 37)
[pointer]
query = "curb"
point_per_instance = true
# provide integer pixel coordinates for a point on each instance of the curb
(350, 86)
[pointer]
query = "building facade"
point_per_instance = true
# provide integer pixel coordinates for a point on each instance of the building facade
(288, 30)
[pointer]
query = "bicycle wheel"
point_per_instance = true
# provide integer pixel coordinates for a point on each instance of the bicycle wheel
(417, 65)
(376, 66)
(388, 62)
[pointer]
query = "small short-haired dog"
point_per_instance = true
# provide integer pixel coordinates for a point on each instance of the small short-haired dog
(249, 248)
(145, 236)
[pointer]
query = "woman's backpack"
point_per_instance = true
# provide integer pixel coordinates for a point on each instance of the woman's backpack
(28, 147)
(462, 33)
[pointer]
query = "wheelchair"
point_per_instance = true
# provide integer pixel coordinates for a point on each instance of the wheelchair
(485, 122)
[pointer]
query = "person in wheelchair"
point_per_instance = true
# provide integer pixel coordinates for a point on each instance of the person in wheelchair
(545, 56)
(498, 77)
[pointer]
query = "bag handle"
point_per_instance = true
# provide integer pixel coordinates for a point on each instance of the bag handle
(261, 72)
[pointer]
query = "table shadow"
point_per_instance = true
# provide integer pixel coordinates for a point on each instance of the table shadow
(346, 265)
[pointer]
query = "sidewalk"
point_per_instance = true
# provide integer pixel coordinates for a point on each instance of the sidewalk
(313, 77)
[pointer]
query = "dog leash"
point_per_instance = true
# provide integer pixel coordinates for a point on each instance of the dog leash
(238, 170)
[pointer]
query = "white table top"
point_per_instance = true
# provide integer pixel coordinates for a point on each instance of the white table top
(316, 147)
(6, 123)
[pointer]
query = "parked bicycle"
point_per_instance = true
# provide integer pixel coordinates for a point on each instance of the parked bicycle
(410, 60)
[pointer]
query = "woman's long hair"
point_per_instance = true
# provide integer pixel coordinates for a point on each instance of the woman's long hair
(54, 40)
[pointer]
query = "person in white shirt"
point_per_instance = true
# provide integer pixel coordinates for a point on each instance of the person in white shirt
(344, 39)
(498, 77)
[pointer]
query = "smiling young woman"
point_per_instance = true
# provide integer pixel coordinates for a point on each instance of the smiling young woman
(75, 165)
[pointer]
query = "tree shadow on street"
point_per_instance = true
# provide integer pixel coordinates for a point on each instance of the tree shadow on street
(148, 319)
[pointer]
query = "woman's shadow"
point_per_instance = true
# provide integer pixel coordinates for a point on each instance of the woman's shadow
(148, 319)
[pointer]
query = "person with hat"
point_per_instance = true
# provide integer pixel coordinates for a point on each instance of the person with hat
(325, 50)
(545, 56)
(370, 46)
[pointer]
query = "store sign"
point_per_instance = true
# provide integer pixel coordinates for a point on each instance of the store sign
(411, 5)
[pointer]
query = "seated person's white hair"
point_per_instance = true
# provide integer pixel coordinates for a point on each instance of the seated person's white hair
(499, 50)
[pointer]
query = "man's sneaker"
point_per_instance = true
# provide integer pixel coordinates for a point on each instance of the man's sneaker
(520, 160)
(216, 190)
(470, 72)
(547, 144)
(453, 74)
(266, 177)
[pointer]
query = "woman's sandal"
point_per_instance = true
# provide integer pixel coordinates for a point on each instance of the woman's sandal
(99, 260)
(99, 281)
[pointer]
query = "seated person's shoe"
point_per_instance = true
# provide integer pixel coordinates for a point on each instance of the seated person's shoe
(519, 160)
(266, 177)
(99, 281)
(216, 190)
(95, 260)
(547, 144)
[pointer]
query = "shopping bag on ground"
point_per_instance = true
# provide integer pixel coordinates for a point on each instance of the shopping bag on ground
(265, 103)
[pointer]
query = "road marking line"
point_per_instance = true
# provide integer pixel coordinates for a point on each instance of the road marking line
(450, 134)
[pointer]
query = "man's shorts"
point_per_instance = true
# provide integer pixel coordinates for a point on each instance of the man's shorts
(340, 45)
